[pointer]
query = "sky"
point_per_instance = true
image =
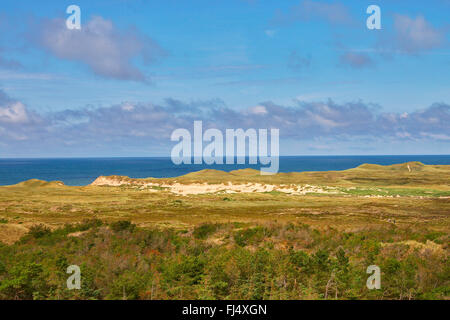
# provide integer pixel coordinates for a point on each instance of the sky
(139, 69)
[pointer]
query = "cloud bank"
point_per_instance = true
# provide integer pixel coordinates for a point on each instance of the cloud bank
(146, 124)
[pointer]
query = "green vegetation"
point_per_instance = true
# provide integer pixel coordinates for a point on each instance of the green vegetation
(250, 236)
(204, 230)
(271, 261)
(39, 231)
(122, 225)
(405, 175)
(149, 243)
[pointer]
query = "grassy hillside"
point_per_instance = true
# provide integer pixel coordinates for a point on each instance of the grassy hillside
(411, 174)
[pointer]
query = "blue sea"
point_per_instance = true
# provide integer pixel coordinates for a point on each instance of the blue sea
(82, 171)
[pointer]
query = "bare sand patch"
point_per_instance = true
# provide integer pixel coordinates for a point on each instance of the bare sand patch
(202, 188)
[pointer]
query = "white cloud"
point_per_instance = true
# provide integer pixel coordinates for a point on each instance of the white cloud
(258, 110)
(105, 49)
(415, 35)
(127, 106)
(13, 113)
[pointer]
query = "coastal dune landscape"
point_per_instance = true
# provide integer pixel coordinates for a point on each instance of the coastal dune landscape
(224, 159)
(396, 216)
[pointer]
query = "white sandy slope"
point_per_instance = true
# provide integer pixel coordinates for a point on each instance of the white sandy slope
(201, 188)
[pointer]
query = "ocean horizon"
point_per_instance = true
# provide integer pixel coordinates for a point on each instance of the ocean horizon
(83, 171)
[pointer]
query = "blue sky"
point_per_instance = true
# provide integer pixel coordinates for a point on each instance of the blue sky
(139, 69)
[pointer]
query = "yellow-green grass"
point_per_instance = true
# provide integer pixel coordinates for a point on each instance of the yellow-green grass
(371, 196)
(411, 174)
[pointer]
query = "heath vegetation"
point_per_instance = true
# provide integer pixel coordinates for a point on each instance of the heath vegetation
(149, 243)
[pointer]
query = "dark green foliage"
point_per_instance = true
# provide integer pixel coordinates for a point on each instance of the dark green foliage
(204, 230)
(291, 261)
(250, 236)
(24, 281)
(301, 259)
(39, 231)
(122, 225)
(89, 223)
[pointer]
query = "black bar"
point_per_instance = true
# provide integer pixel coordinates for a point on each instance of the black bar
(234, 309)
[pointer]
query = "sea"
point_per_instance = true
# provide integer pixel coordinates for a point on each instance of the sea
(83, 171)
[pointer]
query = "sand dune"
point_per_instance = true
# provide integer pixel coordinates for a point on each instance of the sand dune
(201, 188)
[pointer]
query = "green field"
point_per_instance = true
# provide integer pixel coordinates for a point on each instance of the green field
(135, 242)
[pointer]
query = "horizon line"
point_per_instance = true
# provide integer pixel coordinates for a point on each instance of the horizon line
(168, 157)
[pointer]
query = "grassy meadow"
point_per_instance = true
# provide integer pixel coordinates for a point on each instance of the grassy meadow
(134, 242)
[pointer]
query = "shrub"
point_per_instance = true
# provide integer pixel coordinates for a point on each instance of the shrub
(204, 230)
(300, 259)
(250, 236)
(39, 231)
(127, 286)
(189, 270)
(122, 225)
(87, 224)
(25, 281)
